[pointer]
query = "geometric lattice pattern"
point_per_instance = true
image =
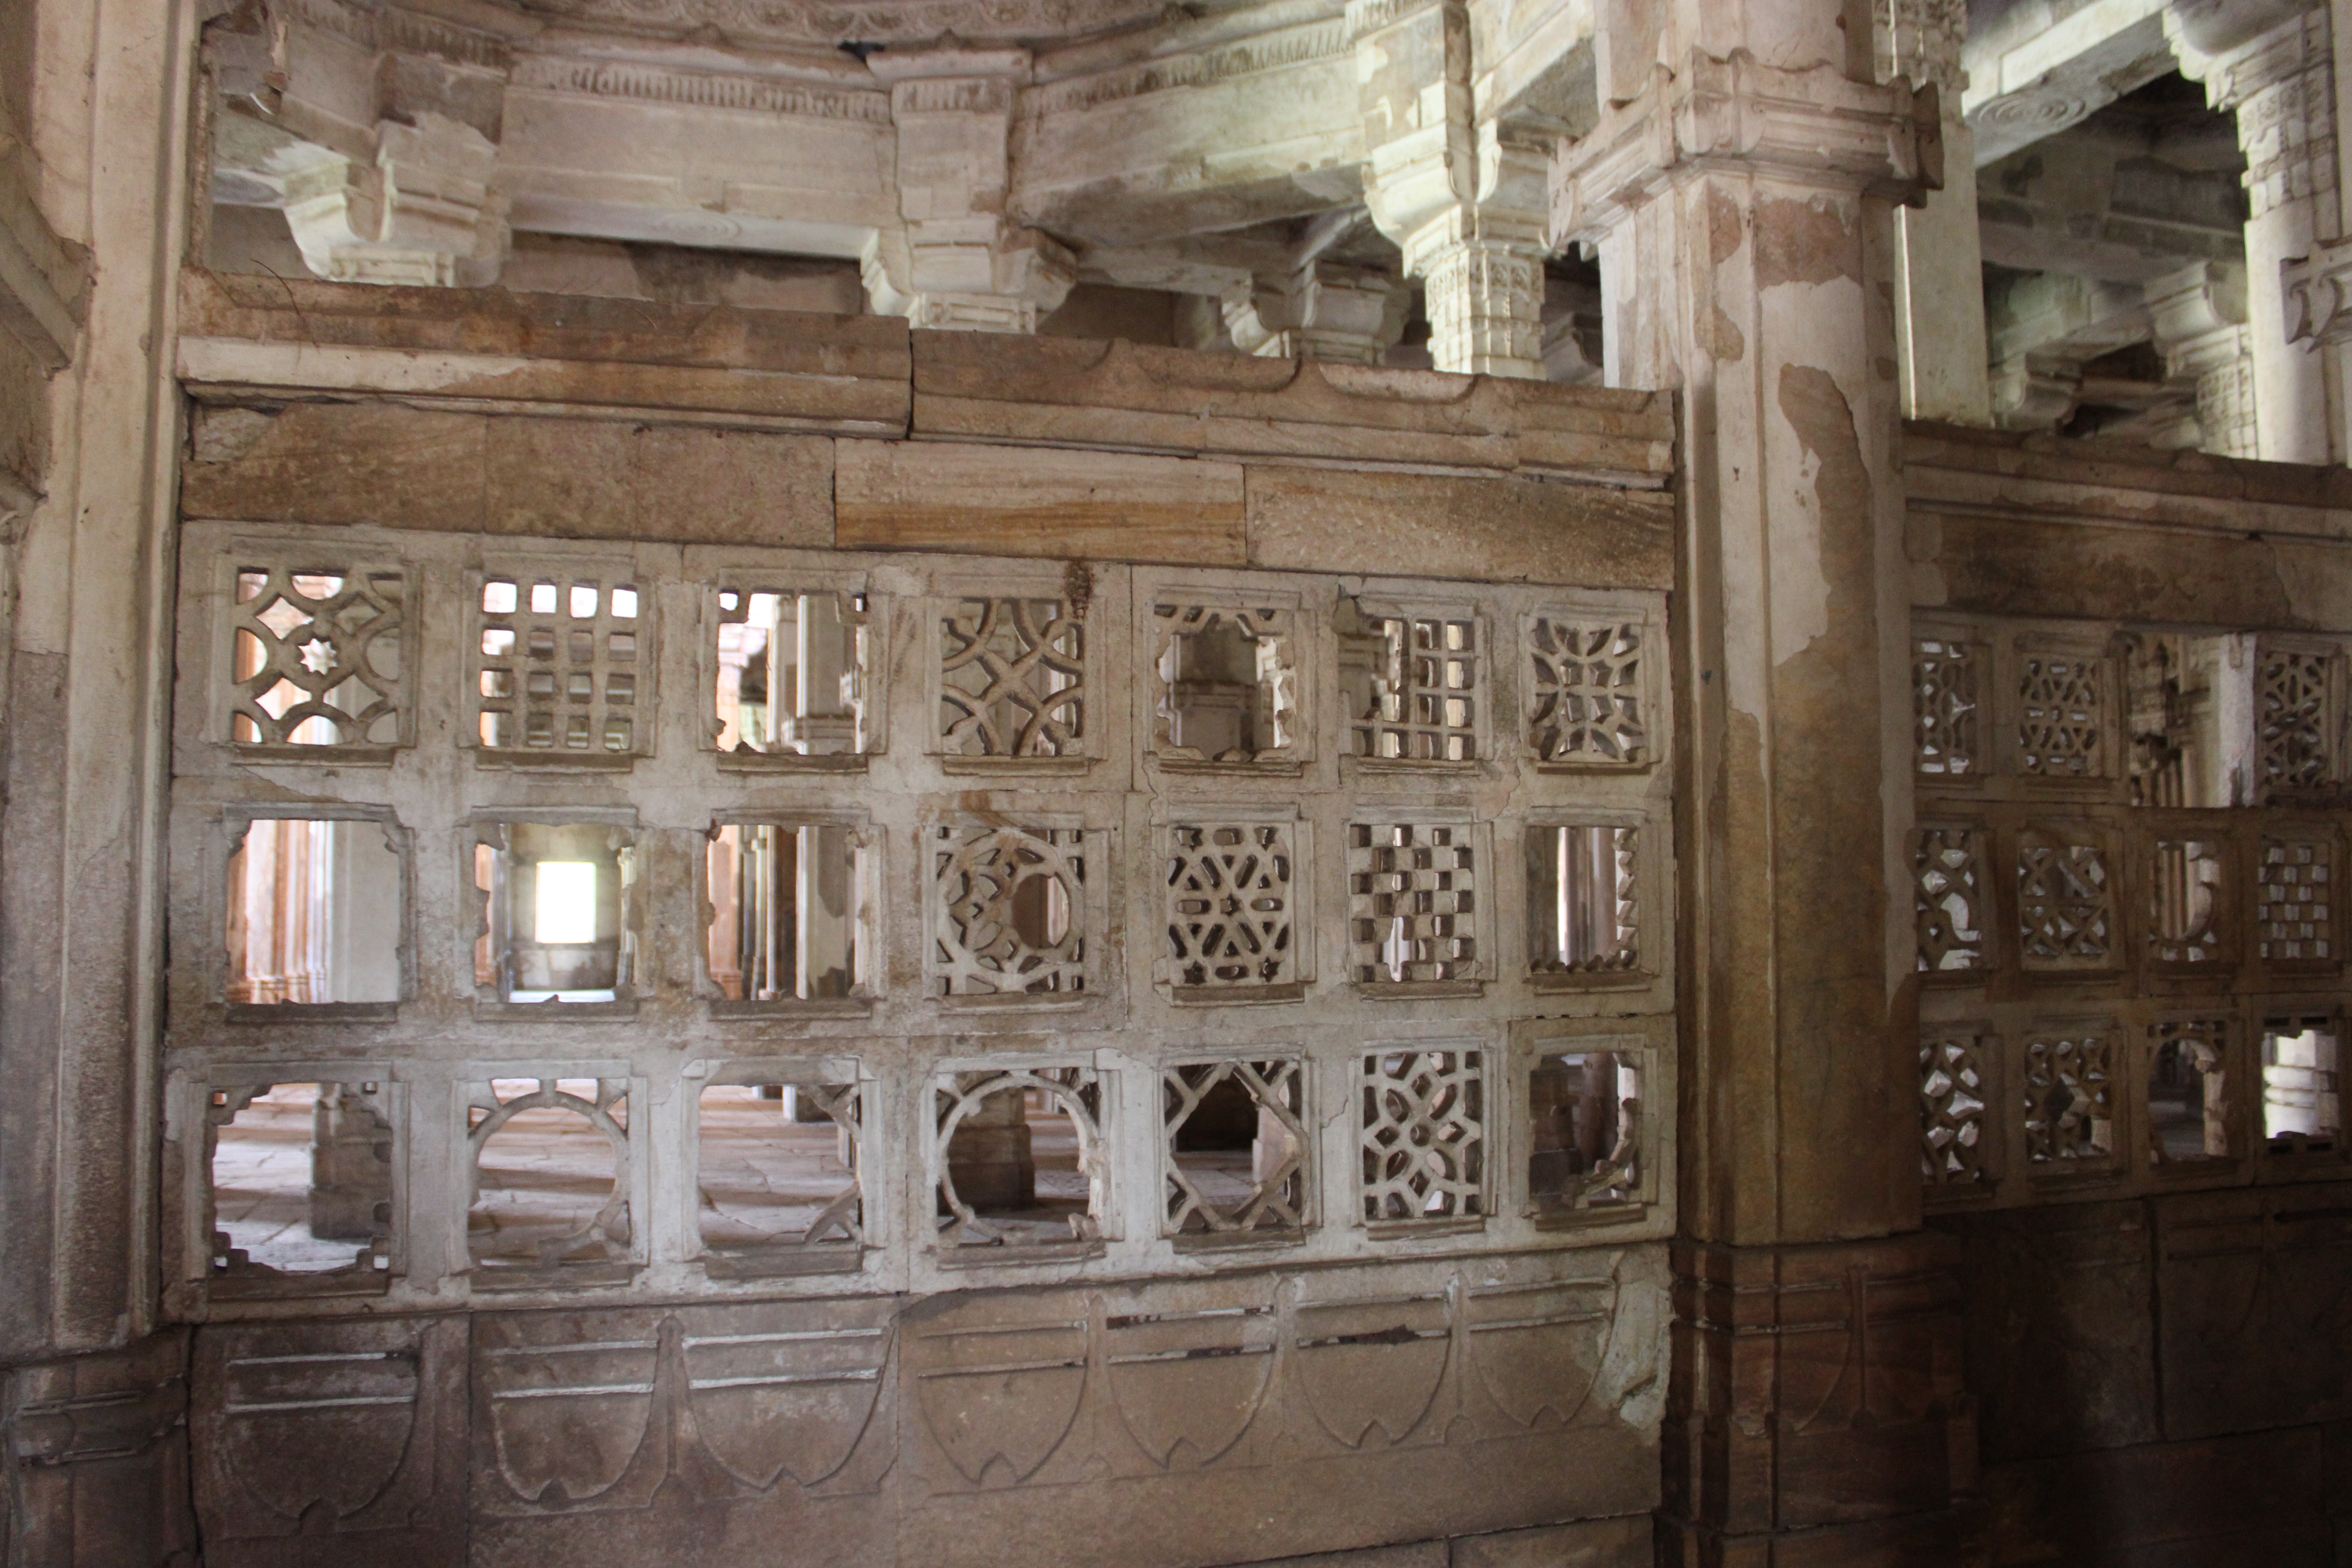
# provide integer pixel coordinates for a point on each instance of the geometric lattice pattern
(1012, 678)
(1944, 708)
(1586, 691)
(2294, 900)
(1275, 1199)
(1008, 910)
(1230, 904)
(505, 1228)
(1951, 1111)
(1424, 1135)
(1947, 869)
(2060, 708)
(2293, 715)
(318, 656)
(561, 667)
(1423, 690)
(2066, 901)
(2069, 1098)
(1412, 904)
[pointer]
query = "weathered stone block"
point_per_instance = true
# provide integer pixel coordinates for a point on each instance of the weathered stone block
(1816, 1384)
(1015, 500)
(2062, 1351)
(1511, 530)
(568, 479)
(2251, 1288)
(333, 1443)
(776, 370)
(2211, 1504)
(1120, 394)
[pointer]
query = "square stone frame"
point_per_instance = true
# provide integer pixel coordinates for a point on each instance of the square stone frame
(1651, 1039)
(188, 1209)
(1308, 597)
(236, 820)
(637, 1179)
(612, 564)
(716, 567)
(872, 841)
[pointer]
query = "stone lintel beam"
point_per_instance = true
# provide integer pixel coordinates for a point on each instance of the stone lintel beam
(2022, 87)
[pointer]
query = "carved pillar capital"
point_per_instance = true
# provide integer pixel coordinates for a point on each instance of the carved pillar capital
(1811, 127)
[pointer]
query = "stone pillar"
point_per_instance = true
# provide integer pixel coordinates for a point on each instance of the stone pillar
(1463, 198)
(825, 910)
(989, 1161)
(2280, 85)
(350, 1168)
(821, 714)
(1939, 318)
(1743, 204)
(960, 263)
(2199, 315)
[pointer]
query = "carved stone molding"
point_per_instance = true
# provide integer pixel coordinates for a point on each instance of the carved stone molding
(2319, 294)
(1815, 126)
(870, 21)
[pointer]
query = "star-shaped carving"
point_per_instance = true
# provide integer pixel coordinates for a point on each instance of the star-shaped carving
(318, 656)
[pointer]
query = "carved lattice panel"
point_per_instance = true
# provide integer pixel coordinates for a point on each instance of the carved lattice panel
(1230, 906)
(1424, 1135)
(563, 667)
(1261, 1188)
(294, 1174)
(1012, 678)
(1951, 1110)
(322, 657)
(2065, 900)
(2296, 718)
(1945, 707)
(1412, 890)
(1587, 705)
(1412, 683)
(1949, 898)
(2069, 1099)
(2295, 909)
(1225, 685)
(2185, 903)
(1008, 910)
(2062, 715)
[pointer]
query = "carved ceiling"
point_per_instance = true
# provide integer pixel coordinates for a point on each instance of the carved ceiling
(828, 22)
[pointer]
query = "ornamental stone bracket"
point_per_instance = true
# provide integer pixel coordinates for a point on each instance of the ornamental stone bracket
(2318, 290)
(960, 264)
(1814, 127)
(376, 133)
(2200, 319)
(1323, 310)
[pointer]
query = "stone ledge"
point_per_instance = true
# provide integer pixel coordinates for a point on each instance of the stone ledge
(1076, 392)
(492, 350)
